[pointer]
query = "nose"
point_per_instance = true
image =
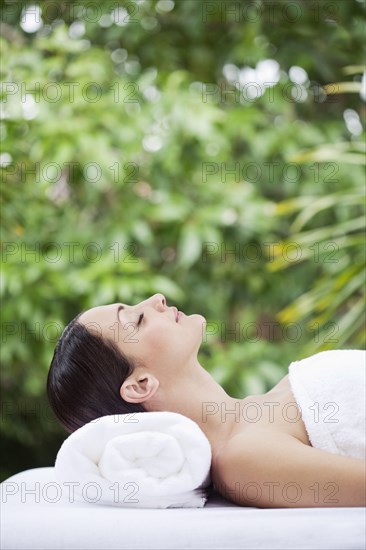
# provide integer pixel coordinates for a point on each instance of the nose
(158, 301)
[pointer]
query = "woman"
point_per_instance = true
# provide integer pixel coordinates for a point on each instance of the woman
(118, 359)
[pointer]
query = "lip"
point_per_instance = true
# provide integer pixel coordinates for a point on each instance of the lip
(176, 313)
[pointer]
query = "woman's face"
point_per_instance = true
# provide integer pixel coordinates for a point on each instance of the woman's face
(149, 331)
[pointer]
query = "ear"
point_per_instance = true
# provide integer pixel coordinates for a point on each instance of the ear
(139, 389)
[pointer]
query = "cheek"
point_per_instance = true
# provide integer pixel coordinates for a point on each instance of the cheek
(155, 342)
(166, 340)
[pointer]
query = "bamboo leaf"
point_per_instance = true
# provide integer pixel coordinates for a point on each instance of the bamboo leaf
(342, 88)
(354, 69)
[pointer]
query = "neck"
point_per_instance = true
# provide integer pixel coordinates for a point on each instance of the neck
(198, 396)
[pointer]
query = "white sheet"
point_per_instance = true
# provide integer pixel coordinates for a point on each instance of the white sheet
(220, 524)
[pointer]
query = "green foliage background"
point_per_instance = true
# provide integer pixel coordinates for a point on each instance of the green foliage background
(164, 133)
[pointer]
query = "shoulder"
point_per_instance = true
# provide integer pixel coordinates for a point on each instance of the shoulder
(232, 465)
(268, 469)
(245, 446)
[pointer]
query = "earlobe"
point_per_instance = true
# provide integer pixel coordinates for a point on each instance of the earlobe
(139, 390)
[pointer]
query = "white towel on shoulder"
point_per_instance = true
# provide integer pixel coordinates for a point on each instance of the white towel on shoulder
(147, 460)
(330, 389)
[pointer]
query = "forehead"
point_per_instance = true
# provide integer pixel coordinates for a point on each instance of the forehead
(98, 312)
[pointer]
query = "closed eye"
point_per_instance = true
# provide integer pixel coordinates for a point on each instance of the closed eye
(141, 316)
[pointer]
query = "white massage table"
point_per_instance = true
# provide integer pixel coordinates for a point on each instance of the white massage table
(27, 524)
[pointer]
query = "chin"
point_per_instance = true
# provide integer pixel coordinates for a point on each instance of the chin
(198, 318)
(200, 322)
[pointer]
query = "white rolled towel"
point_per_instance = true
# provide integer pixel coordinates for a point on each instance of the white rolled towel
(138, 460)
(330, 389)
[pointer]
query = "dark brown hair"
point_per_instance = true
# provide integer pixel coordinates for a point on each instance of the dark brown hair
(85, 377)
